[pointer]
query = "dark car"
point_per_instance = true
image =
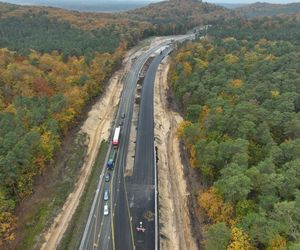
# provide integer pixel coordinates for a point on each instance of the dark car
(121, 123)
(107, 177)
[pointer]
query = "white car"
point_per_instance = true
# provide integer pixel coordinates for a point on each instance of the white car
(106, 195)
(106, 211)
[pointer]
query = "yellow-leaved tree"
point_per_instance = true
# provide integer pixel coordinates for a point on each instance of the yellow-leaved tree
(277, 243)
(214, 206)
(239, 240)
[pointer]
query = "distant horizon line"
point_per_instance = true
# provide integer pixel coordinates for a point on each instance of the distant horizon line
(91, 3)
(144, 1)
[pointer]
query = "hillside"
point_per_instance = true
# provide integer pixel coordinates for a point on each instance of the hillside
(239, 92)
(81, 20)
(231, 5)
(267, 9)
(174, 16)
(76, 33)
(69, 32)
(283, 27)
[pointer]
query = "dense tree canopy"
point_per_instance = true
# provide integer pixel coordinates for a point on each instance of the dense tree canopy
(272, 28)
(174, 17)
(240, 93)
(268, 9)
(38, 32)
(40, 98)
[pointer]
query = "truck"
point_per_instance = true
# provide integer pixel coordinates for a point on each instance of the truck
(116, 138)
(111, 159)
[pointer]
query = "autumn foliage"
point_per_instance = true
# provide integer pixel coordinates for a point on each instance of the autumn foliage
(41, 96)
(239, 91)
(239, 240)
(213, 205)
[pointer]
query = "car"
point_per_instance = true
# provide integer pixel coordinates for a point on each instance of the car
(123, 115)
(106, 195)
(106, 211)
(121, 123)
(107, 177)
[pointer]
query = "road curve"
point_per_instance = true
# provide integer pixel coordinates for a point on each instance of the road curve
(117, 230)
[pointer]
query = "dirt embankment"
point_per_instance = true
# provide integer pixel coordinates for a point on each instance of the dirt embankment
(176, 230)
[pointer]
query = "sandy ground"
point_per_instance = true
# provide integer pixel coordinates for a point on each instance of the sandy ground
(176, 228)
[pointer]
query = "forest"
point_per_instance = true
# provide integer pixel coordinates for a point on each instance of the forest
(50, 68)
(41, 97)
(40, 33)
(268, 9)
(177, 17)
(272, 28)
(240, 94)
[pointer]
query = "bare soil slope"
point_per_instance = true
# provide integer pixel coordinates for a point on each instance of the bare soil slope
(176, 229)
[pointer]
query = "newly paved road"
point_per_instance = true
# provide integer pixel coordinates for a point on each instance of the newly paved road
(117, 230)
(122, 218)
(141, 185)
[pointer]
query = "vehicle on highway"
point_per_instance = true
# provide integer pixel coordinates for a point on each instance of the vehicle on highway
(111, 159)
(107, 177)
(123, 115)
(106, 195)
(121, 123)
(140, 228)
(116, 138)
(106, 210)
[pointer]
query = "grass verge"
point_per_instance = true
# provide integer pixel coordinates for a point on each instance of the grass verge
(73, 234)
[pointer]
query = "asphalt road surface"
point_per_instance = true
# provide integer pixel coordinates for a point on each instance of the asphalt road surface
(141, 185)
(117, 229)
